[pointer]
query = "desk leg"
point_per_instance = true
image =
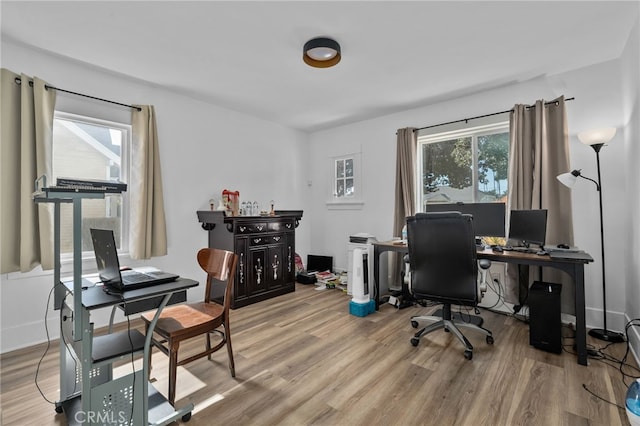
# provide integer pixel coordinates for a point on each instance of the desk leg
(581, 326)
(376, 276)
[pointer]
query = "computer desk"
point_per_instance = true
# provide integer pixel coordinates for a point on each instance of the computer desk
(88, 391)
(573, 266)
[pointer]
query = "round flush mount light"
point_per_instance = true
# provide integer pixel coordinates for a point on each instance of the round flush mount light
(321, 52)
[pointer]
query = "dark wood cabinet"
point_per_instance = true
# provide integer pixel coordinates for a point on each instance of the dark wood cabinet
(266, 249)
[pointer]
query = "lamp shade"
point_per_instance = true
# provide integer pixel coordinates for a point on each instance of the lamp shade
(321, 52)
(569, 179)
(597, 136)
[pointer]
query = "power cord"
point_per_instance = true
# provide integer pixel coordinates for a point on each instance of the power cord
(46, 350)
(620, 364)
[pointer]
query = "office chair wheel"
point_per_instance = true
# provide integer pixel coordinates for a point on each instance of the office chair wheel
(415, 341)
(58, 409)
(186, 417)
(468, 355)
(490, 340)
(414, 324)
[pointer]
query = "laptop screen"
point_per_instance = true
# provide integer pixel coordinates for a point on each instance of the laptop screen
(104, 247)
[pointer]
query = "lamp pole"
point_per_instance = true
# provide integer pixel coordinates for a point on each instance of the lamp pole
(603, 333)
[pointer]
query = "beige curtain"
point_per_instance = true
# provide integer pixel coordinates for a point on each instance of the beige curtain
(405, 200)
(538, 152)
(147, 233)
(26, 127)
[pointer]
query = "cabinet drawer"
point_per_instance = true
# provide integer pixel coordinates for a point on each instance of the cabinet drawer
(281, 226)
(266, 239)
(252, 228)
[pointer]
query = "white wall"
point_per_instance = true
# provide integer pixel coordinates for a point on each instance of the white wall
(204, 149)
(598, 103)
(631, 247)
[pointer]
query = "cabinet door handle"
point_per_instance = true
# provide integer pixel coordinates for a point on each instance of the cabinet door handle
(242, 228)
(288, 225)
(289, 260)
(259, 227)
(277, 238)
(258, 271)
(275, 265)
(257, 240)
(241, 268)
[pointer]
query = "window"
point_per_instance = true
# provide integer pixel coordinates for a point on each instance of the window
(467, 165)
(88, 148)
(345, 186)
(344, 178)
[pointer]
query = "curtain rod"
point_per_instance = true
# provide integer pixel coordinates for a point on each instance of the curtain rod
(18, 80)
(485, 115)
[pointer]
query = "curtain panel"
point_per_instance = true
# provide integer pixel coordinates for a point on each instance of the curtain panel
(147, 232)
(405, 194)
(538, 152)
(26, 129)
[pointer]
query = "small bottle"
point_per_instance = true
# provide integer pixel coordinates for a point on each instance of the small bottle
(404, 233)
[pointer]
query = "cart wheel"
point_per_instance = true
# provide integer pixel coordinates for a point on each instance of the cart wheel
(186, 417)
(490, 340)
(59, 409)
(414, 324)
(415, 341)
(468, 355)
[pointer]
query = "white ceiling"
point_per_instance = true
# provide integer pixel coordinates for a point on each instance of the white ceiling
(247, 56)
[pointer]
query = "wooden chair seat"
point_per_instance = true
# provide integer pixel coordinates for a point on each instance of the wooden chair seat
(184, 321)
(181, 322)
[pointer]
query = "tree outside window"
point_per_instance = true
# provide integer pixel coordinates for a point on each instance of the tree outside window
(468, 166)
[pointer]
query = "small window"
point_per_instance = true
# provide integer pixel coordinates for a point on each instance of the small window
(345, 188)
(88, 148)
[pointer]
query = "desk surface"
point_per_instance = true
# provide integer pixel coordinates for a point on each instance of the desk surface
(505, 256)
(95, 297)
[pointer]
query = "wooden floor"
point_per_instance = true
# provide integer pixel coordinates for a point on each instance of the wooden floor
(303, 359)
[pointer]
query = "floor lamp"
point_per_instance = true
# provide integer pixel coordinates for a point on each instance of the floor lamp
(596, 139)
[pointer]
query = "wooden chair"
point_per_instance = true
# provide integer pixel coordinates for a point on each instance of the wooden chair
(185, 321)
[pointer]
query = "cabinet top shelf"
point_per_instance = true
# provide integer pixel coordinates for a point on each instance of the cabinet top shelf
(218, 216)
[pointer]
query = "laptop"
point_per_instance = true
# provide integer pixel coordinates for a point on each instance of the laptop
(104, 247)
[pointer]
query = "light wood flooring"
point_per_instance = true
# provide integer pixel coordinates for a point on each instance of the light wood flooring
(302, 359)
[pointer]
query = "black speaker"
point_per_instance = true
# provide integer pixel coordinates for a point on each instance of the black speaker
(545, 324)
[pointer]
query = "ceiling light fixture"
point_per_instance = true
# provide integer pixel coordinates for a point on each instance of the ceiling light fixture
(321, 52)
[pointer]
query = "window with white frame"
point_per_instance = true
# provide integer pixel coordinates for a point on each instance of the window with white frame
(90, 148)
(344, 178)
(468, 165)
(345, 186)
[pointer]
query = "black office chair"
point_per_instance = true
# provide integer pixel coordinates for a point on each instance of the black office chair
(444, 269)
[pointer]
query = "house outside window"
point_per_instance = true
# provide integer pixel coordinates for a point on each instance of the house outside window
(468, 165)
(89, 148)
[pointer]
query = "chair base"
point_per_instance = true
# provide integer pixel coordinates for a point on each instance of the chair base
(457, 316)
(450, 323)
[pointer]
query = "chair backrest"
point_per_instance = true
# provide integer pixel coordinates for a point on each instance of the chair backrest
(443, 258)
(220, 266)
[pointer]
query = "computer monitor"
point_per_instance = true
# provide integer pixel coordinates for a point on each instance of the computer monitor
(488, 218)
(528, 227)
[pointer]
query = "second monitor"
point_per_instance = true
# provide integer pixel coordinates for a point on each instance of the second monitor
(488, 218)
(528, 227)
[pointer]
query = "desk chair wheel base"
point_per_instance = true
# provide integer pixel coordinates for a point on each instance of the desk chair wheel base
(490, 340)
(58, 408)
(415, 341)
(186, 417)
(414, 324)
(468, 355)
